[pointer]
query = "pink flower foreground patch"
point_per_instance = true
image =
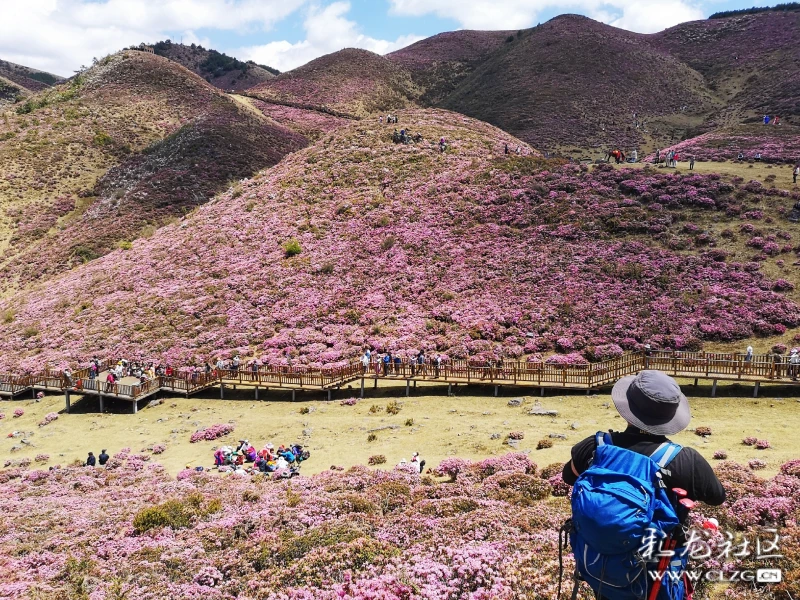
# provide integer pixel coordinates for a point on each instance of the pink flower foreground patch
(490, 533)
(403, 247)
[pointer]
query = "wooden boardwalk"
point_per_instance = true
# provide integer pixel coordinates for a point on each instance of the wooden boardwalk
(687, 365)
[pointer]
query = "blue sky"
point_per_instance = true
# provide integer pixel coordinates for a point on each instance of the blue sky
(61, 35)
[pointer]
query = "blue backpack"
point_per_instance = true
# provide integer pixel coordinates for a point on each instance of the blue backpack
(617, 503)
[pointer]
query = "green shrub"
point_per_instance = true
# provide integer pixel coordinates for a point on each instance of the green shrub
(393, 407)
(293, 547)
(125, 245)
(409, 422)
(374, 409)
(388, 242)
(291, 248)
(177, 514)
(171, 513)
(305, 410)
(101, 138)
(30, 331)
(372, 437)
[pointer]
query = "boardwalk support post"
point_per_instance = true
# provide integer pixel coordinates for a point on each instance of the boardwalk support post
(221, 391)
(542, 392)
(66, 397)
(362, 387)
(376, 383)
(449, 389)
(135, 405)
(408, 386)
(256, 392)
(714, 389)
(101, 403)
(755, 390)
(329, 395)
(496, 390)
(695, 382)
(293, 395)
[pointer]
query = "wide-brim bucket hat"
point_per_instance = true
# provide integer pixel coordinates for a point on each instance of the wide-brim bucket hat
(653, 402)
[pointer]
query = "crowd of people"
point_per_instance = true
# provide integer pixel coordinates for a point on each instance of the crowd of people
(388, 364)
(244, 459)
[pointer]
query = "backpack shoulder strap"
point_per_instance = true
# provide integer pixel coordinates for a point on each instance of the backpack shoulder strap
(603, 438)
(664, 454)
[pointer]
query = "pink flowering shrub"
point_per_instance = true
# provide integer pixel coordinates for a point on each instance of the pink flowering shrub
(516, 435)
(212, 433)
(720, 455)
(749, 441)
(756, 464)
(48, 418)
(540, 255)
(349, 402)
(358, 533)
(762, 444)
(159, 448)
(18, 412)
(42, 458)
(2, 416)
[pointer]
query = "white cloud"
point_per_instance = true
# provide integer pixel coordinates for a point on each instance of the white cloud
(327, 30)
(655, 16)
(60, 35)
(643, 16)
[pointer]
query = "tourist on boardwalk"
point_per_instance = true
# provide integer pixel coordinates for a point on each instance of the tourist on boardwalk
(68, 377)
(654, 407)
(378, 364)
(748, 357)
(437, 364)
(365, 363)
(111, 379)
(794, 364)
(421, 363)
(398, 364)
(92, 371)
(235, 364)
(103, 458)
(387, 360)
(777, 361)
(91, 460)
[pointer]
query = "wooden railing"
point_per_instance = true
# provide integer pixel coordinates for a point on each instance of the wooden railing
(588, 376)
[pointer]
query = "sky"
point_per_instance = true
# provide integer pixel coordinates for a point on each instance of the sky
(59, 36)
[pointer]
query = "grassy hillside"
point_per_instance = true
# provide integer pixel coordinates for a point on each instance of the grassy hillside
(750, 61)
(439, 63)
(28, 78)
(10, 92)
(218, 69)
(114, 153)
(350, 82)
(573, 82)
(356, 240)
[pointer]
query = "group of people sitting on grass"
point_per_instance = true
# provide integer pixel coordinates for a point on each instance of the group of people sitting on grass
(284, 460)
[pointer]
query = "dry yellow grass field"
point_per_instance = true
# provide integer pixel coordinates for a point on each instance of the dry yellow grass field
(443, 426)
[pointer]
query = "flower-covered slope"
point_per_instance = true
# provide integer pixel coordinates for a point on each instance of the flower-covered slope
(131, 143)
(489, 533)
(357, 241)
(750, 60)
(439, 63)
(779, 144)
(30, 79)
(575, 82)
(220, 70)
(350, 82)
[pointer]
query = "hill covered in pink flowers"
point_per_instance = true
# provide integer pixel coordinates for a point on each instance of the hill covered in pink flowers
(350, 82)
(357, 241)
(488, 532)
(113, 154)
(769, 144)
